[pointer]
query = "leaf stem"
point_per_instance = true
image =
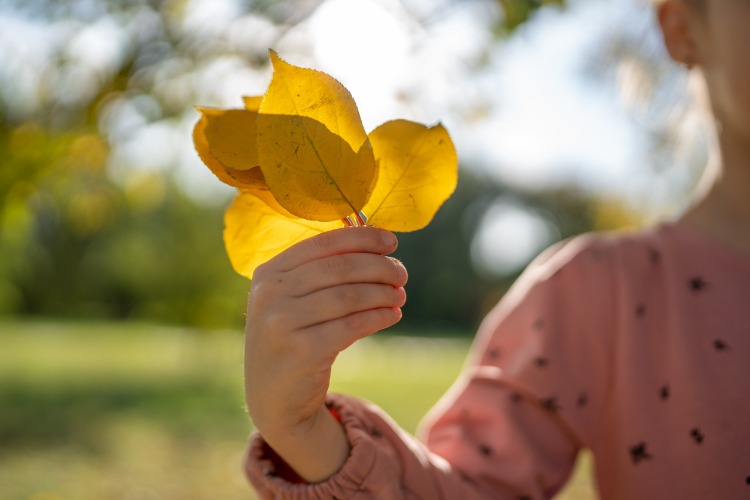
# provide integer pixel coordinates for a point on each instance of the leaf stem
(360, 219)
(347, 222)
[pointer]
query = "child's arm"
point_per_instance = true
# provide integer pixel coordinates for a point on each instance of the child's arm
(305, 306)
(510, 428)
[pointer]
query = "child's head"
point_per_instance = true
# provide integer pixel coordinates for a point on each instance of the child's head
(713, 37)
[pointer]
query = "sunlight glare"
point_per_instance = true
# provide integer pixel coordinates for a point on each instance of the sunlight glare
(364, 44)
(509, 236)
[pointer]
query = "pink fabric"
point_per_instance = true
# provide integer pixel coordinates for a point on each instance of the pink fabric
(634, 346)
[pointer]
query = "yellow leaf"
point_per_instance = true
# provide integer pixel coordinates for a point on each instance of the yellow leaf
(315, 95)
(255, 233)
(312, 147)
(266, 196)
(418, 171)
(231, 136)
(225, 141)
(302, 161)
(312, 172)
(252, 103)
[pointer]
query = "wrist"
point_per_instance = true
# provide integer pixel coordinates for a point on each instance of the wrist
(315, 449)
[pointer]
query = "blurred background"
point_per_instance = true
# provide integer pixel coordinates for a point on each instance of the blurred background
(120, 317)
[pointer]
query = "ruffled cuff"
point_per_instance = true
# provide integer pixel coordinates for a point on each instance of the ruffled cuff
(369, 471)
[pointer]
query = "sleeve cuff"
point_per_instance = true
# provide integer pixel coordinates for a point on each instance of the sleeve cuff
(272, 478)
(280, 467)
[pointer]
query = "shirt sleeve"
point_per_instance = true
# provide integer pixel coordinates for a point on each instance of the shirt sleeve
(385, 462)
(511, 426)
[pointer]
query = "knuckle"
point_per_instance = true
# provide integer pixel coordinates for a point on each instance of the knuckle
(355, 324)
(259, 298)
(275, 322)
(322, 241)
(254, 304)
(267, 287)
(261, 273)
(338, 266)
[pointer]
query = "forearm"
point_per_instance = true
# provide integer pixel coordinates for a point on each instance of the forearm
(315, 450)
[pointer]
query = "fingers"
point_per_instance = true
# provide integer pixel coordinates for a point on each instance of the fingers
(360, 239)
(322, 307)
(341, 301)
(343, 332)
(271, 288)
(340, 284)
(346, 269)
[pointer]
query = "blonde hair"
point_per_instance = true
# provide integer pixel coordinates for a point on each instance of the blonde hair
(670, 103)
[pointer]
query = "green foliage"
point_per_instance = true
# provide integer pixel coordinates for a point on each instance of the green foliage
(74, 243)
(517, 12)
(167, 263)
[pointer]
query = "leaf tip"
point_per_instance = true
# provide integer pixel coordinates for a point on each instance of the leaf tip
(276, 60)
(438, 125)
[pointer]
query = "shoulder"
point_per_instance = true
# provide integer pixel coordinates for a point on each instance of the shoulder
(595, 252)
(577, 277)
(595, 245)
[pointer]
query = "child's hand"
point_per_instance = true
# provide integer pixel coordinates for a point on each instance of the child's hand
(306, 305)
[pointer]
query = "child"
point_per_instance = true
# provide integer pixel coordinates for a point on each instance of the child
(634, 346)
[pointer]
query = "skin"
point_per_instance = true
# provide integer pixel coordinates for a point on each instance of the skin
(323, 294)
(712, 36)
(306, 305)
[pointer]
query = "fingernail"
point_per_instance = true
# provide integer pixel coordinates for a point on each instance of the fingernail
(388, 238)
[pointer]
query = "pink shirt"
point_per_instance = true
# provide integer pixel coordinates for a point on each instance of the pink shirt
(635, 346)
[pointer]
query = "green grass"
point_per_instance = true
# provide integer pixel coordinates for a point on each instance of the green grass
(138, 411)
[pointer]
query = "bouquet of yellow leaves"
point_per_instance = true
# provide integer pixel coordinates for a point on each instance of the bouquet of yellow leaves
(303, 163)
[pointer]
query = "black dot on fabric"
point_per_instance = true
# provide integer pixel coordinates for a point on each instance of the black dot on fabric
(697, 435)
(582, 400)
(747, 480)
(664, 392)
(720, 345)
(375, 432)
(697, 284)
(639, 453)
(541, 362)
(640, 310)
(494, 353)
(485, 450)
(655, 256)
(550, 404)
